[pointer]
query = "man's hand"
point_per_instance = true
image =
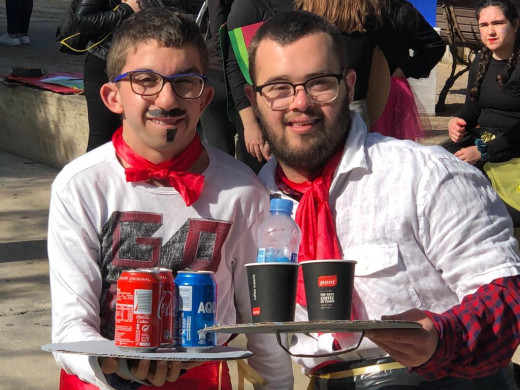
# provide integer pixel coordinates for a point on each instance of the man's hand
(156, 372)
(410, 347)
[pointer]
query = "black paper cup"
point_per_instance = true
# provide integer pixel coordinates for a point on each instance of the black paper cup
(328, 288)
(272, 291)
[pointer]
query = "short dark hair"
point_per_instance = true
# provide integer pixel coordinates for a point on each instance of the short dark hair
(167, 26)
(288, 27)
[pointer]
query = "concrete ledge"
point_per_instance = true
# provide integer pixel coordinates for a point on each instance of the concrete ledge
(42, 126)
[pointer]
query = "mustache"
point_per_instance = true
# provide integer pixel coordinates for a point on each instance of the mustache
(160, 113)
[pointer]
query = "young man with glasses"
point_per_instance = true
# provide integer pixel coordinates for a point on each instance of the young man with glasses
(154, 197)
(426, 230)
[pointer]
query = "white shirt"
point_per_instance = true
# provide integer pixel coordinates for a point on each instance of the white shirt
(425, 228)
(99, 224)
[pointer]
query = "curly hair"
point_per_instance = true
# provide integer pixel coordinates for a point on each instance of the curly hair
(511, 13)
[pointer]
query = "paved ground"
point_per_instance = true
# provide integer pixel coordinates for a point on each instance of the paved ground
(24, 191)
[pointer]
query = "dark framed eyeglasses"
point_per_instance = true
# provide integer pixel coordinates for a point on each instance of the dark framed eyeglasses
(321, 89)
(149, 83)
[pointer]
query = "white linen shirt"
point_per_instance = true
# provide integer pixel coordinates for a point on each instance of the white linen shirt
(425, 228)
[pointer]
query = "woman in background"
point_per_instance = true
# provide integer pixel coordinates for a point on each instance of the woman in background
(395, 26)
(487, 128)
(492, 104)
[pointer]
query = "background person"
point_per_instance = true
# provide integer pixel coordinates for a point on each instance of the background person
(364, 25)
(403, 116)
(97, 18)
(18, 19)
(154, 197)
(492, 103)
(218, 130)
(395, 26)
(431, 233)
(251, 145)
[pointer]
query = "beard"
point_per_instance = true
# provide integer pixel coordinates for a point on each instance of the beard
(318, 147)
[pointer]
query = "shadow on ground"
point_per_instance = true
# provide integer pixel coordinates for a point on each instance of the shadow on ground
(23, 250)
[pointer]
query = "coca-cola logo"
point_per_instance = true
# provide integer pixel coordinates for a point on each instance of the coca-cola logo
(165, 305)
(256, 311)
(327, 281)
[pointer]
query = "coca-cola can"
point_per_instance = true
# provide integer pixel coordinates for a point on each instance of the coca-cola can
(166, 306)
(137, 325)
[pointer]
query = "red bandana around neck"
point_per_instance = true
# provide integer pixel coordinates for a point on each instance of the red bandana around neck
(188, 184)
(314, 217)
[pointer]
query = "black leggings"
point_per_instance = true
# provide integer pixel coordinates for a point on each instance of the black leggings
(102, 122)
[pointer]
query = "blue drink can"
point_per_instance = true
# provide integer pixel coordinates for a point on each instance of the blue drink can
(196, 294)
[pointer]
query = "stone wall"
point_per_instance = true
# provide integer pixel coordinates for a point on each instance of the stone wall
(42, 126)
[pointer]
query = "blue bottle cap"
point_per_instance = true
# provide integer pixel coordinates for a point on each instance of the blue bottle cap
(281, 205)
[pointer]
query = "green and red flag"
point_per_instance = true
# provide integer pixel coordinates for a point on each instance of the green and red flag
(240, 38)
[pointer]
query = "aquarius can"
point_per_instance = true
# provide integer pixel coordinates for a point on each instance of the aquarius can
(196, 298)
(166, 306)
(137, 325)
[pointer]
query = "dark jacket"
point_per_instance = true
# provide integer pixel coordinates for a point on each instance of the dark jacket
(218, 12)
(415, 33)
(505, 146)
(98, 17)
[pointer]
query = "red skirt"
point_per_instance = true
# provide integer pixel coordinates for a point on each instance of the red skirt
(401, 117)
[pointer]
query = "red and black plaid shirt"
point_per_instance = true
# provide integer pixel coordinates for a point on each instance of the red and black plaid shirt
(479, 336)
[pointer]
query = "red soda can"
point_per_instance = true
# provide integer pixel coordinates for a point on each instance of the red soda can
(166, 306)
(137, 324)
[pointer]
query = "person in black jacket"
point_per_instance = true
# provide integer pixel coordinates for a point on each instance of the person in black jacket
(415, 33)
(395, 26)
(96, 18)
(365, 24)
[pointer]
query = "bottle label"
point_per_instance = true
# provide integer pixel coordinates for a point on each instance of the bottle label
(260, 257)
(274, 255)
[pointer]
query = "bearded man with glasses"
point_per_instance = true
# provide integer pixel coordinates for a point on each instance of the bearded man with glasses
(432, 240)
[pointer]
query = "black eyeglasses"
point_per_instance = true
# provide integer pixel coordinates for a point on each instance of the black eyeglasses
(279, 95)
(149, 83)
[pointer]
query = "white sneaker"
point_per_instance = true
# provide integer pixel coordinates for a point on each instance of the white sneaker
(7, 40)
(24, 39)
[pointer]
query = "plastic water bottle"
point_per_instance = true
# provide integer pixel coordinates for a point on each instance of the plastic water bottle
(279, 236)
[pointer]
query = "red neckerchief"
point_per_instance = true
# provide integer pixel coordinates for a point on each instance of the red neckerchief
(188, 184)
(313, 216)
